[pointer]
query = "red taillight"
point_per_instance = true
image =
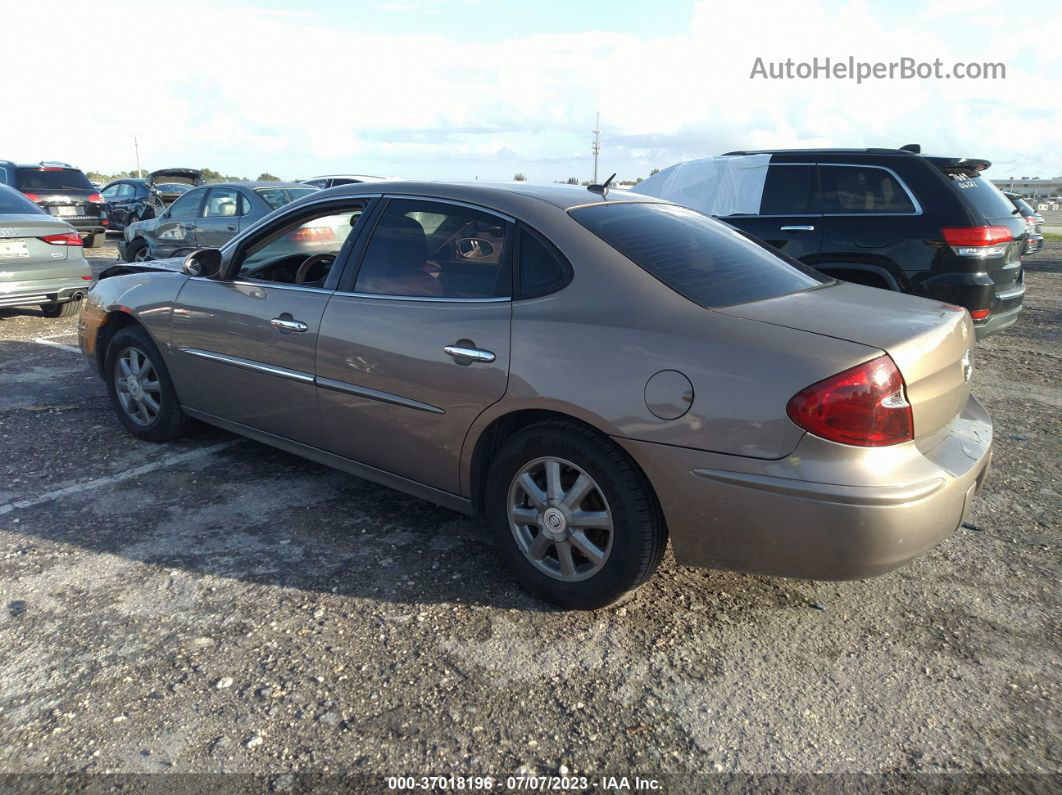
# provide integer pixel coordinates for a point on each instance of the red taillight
(864, 405)
(976, 235)
(86, 278)
(980, 314)
(96, 198)
(33, 197)
(312, 234)
(63, 239)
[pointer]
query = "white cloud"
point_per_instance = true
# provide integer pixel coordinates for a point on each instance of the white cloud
(246, 91)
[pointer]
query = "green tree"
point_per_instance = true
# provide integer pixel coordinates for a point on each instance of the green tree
(520, 177)
(265, 176)
(654, 171)
(573, 181)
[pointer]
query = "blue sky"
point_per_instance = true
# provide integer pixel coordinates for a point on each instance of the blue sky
(486, 88)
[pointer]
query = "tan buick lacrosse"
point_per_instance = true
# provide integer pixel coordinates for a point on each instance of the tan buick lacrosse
(592, 372)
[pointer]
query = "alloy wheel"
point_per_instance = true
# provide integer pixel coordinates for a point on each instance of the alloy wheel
(560, 519)
(136, 382)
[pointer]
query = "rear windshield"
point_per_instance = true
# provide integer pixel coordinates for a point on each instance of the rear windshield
(278, 197)
(985, 197)
(702, 259)
(33, 179)
(14, 203)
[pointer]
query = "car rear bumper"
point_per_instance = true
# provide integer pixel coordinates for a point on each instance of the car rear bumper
(1005, 310)
(42, 291)
(827, 511)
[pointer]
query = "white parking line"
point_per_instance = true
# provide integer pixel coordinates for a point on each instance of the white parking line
(60, 334)
(110, 480)
(60, 345)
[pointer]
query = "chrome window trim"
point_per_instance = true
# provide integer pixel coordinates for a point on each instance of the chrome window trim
(430, 298)
(250, 364)
(263, 283)
(374, 394)
(455, 202)
(910, 195)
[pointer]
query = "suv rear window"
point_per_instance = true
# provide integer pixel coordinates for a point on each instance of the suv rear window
(34, 179)
(983, 195)
(704, 260)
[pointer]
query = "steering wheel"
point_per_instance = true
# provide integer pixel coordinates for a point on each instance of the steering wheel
(309, 263)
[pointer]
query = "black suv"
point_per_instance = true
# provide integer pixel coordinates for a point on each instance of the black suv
(897, 219)
(63, 191)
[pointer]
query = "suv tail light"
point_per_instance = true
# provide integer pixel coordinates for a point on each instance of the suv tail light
(312, 234)
(33, 197)
(980, 314)
(864, 406)
(95, 198)
(977, 241)
(63, 239)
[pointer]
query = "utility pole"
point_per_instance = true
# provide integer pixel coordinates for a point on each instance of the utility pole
(597, 144)
(136, 148)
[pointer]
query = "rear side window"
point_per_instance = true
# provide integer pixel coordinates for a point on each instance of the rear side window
(704, 260)
(985, 197)
(857, 190)
(188, 205)
(34, 179)
(542, 269)
(790, 190)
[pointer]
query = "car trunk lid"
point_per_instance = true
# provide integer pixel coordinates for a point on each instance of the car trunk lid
(24, 255)
(929, 341)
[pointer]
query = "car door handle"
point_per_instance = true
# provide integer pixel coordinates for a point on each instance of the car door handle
(470, 355)
(798, 229)
(231, 227)
(285, 324)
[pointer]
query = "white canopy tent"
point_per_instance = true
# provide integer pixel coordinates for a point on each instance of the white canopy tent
(717, 186)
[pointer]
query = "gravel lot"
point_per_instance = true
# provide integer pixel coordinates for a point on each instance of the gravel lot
(214, 605)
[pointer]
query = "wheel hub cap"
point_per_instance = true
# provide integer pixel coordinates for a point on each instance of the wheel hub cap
(555, 524)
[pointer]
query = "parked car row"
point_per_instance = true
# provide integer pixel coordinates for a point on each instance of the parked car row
(61, 191)
(130, 200)
(888, 218)
(1033, 221)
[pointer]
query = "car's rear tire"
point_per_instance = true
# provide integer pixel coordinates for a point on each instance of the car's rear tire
(592, 528)
(140, 388)
(64, 309)
(137, 251)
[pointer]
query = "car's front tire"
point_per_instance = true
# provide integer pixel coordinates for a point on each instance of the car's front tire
(572, 516)
(64, 309)
(137, 251)
(140, 388)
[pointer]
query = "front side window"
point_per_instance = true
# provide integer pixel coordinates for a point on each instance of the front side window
(702, 259)
(222, 203)
(856, 190)
(790, 190)
(436, 250)
(302, 252)
(188, 205)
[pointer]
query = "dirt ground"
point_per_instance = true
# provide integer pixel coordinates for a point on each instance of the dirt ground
(217, 606)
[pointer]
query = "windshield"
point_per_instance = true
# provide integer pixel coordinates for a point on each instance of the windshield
(702, 259)
(34, 179)
(14, 203)
(278, 197)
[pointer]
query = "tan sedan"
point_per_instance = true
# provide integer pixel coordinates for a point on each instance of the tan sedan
(592, 373)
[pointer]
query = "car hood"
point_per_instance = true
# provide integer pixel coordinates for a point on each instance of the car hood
(928, 340)
(168, 265)
(192, 176)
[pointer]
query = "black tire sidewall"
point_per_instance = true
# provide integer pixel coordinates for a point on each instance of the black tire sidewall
(624, 490)
(133, 249)
(170, 417)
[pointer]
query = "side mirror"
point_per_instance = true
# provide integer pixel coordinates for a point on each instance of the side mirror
(205, 262)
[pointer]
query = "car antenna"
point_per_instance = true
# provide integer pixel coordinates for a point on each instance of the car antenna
(913, 148)
(602, 188)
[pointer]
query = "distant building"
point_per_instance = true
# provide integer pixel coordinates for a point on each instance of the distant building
(1035, 188)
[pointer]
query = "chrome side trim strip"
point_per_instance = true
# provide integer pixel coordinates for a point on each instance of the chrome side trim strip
(249, 364)
(826, 492)
(432, 299)
(373, 394)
